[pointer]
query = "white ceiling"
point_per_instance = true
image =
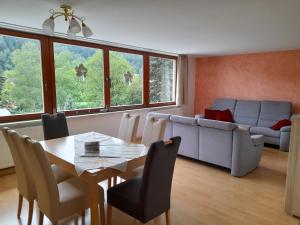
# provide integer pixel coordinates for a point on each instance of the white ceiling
(201, 27)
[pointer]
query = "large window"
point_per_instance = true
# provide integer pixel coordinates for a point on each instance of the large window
(126, 74)
(21, 90)
(78, 77)
(40, 74)
(162, 80)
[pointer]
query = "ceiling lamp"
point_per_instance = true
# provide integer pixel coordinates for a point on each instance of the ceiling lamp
(76, 23)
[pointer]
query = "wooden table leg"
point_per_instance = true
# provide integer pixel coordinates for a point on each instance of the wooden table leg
(94, 191)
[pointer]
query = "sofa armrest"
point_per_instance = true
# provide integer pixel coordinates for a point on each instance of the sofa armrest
(246, 153)
(257, 140)
(221, 125)
(286, 129)
(198, 116)
(184, 120)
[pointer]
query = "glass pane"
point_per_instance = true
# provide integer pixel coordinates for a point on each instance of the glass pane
(21, 89)
(162, 80)
(126, 74)
(78, 77)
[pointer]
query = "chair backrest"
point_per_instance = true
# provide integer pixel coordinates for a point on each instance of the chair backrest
(54, 126)
(46, 186)
(25, 182)
(157, 177)
(154, 130)
(169, 124)
(128, 127)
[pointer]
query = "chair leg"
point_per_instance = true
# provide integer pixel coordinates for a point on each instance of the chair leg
(20, 205)
(109, 182)
(115, 180)
(102, 213)
(109, 214)
(83, 217)
(168, 217)
(30, 212)
(41, 218)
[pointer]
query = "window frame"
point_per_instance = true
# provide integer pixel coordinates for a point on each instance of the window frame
(48, 76)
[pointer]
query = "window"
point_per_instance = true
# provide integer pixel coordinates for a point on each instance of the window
(41, 74)
(162, 80)
(78, 77)
(21, 89)
(126, 74)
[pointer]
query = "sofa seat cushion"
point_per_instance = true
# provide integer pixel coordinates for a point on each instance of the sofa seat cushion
(265, 131)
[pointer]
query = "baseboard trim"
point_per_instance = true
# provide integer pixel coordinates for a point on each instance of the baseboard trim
(7, 171)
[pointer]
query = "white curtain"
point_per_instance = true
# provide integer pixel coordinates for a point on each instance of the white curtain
(182, 78)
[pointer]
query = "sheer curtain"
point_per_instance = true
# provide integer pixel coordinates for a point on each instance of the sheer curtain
(182, 78)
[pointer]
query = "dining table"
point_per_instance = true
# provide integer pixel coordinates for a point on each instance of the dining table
(115, 157)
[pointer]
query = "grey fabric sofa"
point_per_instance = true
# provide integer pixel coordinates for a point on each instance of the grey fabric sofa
(258, 117)
(220, 143)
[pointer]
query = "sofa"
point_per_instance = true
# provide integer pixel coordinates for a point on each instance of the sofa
(221, 143)
(258, 116)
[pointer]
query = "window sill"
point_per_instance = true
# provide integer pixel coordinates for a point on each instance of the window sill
(34, 123)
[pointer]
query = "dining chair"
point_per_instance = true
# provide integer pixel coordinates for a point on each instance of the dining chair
(127, 132)
(147, 197)
(154, 130)
(25, 180)
(54, 126)
(56, 201)
(128, 127)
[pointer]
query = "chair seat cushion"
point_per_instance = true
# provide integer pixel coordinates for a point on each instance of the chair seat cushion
(265, 131)
(126, 197)
(60, 174)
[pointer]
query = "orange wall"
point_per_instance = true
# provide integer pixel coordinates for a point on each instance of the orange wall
(263, 76)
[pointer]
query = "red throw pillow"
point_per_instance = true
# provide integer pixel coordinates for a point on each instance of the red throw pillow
(210, 114)
(281, 123)
(225, 115)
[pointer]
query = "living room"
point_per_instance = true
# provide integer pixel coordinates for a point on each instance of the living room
(222, 76)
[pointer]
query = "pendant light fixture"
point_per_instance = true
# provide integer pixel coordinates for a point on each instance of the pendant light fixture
(76, 24)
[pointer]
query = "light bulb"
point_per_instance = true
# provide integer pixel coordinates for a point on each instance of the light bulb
(74, 26)
(86, 31)
(48, 25)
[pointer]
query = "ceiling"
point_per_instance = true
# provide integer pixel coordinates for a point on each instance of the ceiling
(199, 27)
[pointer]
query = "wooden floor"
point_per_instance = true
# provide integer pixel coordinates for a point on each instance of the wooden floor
(201, 195)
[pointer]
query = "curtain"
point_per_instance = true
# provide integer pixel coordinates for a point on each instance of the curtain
(182, 78)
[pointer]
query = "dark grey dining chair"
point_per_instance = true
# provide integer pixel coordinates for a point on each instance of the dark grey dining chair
(54, 126)
(147, 197)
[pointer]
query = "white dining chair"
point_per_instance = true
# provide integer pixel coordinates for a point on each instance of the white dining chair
(25, 180)
(128, 127)
(56, 201)
(154, 131)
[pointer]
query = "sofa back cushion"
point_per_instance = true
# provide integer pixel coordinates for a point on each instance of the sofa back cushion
(215, 146)
(273, 111)
(188, 130)
(247, 112)
(224, 103)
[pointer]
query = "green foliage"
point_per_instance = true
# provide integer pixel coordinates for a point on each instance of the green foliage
(121, 92)
(21, 88)
(22, 91)
(161, 80)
